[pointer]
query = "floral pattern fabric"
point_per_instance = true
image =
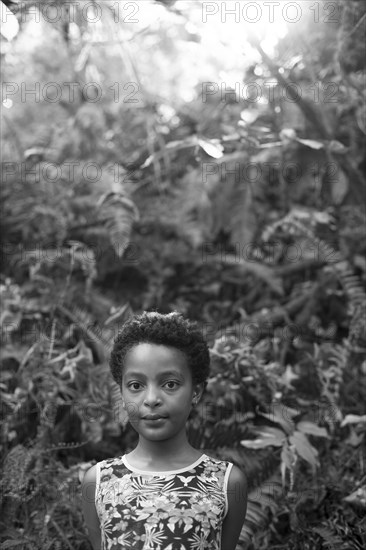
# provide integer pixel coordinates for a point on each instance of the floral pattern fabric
(176, 510)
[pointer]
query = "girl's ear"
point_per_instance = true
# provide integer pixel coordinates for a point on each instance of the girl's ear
(197, 392)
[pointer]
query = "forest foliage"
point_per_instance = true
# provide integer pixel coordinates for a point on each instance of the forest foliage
(153, 161)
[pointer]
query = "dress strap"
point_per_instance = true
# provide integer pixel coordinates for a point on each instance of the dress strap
(97, 479)
(226, 482)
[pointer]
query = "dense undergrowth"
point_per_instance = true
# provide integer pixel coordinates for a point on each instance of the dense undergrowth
(271, 266)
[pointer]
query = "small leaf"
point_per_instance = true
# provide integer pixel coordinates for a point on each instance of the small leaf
(172, 147)
(182, 143)
(354, 439)
(211, 147)
(353, 419)
(337, 147)
(339, 186)
(38, 151)
(312, 143)
(9, 23)
(358, 497)
(249, 116)
(288, 134)
(288, 376)
(119, 314)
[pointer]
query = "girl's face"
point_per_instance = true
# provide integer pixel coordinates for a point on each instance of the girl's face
(156, 381)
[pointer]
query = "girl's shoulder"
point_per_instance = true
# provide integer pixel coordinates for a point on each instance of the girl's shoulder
(220, 466)
(90, 475)
(216, 461)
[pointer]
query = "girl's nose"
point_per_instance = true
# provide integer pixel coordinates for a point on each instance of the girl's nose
(152, 397)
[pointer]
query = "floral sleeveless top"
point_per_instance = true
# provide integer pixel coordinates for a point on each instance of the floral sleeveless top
(171, 510)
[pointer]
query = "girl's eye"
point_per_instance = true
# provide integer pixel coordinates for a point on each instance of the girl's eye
(172, 382)
(138, 384)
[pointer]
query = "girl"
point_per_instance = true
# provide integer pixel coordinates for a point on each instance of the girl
(165, 494)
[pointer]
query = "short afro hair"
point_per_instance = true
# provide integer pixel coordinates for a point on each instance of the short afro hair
(170, 329)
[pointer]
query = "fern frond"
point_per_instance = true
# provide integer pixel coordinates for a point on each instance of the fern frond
(263, 503)
(331, 540)
(352, 285)
(119, 214)
(330, 363)
(105, 338)
(85, 321)
(300, 224)
(16, 473)
(63, 446)
(357, 329)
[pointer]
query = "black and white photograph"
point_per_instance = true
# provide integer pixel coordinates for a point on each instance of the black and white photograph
(183, 275)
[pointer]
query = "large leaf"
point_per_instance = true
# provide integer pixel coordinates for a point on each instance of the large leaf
(260, 443)
(269, 431)
(311, 428)
(118, 213)
(212, 147)
(304, 448)
(268, 436)
(283, 415)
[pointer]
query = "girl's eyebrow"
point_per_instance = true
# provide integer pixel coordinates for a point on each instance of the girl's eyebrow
(161, 374)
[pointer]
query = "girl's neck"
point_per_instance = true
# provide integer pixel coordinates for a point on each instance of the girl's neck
(170, 450)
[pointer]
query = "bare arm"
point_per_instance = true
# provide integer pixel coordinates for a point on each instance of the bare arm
(88, 504)
(237, 493)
